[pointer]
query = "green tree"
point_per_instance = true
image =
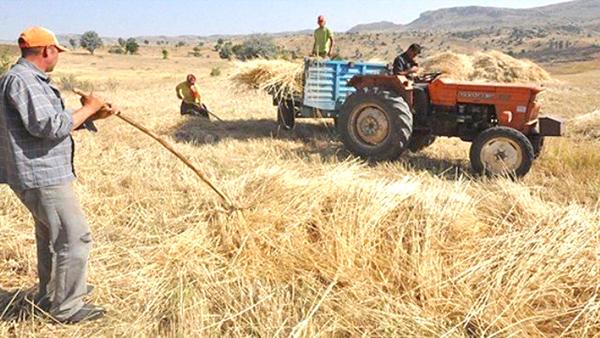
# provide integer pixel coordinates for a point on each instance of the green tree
(73, 43)
(121, 42)
(131, 46)
(226, 51)
(260, 47)
(90, 41)
(219, 44)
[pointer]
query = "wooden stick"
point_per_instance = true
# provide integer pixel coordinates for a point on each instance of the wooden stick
(164, 143)
(214, 115)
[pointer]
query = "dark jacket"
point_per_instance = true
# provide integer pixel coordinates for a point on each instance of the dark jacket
(403, 63)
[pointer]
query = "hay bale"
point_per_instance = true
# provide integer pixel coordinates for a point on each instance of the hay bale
(491, 66)
(454, 66)
(497, 66)
(282, 79)
(587, 125)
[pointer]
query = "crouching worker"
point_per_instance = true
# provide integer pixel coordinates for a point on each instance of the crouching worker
(36, 161)
(189, 95)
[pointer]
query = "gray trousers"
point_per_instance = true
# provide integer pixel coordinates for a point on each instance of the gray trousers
(63, 244)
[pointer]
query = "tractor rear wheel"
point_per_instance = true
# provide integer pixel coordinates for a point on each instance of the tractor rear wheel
(286, 115)
(502, 151)
(375, 124)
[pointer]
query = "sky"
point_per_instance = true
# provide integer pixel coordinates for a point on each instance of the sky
(128, 18)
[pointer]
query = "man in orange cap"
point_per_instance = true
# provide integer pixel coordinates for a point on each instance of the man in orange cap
(323, 39)
(36, 149)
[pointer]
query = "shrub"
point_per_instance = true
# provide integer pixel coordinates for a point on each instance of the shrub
(73, 43)
(165, 54)
(219, 44)
(226, 51)
(260, 47)
(90, 40)
(215, 71)
(116, 50)
(131, 46)
(70, 82)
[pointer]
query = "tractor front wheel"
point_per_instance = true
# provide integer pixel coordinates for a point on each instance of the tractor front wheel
(502, 151)
(375, 124)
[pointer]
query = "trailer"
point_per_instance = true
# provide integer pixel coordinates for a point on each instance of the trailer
(326, 87)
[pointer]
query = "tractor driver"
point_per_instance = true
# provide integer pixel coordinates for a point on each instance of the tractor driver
(405, 64)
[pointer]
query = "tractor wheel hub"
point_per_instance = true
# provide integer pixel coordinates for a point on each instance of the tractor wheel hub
(501, 155)
(372, 125)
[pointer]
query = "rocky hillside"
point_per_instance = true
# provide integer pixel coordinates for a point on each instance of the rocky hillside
(583, 13)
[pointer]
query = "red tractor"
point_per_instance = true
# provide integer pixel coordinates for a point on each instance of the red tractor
(389, 114)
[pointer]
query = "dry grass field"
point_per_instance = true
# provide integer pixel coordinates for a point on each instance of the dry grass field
(327, 246)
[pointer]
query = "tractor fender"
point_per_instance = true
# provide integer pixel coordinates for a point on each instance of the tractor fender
(397, 84)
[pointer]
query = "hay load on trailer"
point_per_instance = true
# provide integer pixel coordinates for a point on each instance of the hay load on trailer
(281, 79)
(493, 66)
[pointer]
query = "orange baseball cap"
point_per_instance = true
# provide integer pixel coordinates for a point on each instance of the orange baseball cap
(39, 37)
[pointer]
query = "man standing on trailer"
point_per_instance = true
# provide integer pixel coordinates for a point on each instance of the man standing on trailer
(323, 39)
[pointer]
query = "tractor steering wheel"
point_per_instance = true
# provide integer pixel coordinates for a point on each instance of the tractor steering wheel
(428, 77)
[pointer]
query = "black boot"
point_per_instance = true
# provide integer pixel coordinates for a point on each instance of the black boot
(87, 313)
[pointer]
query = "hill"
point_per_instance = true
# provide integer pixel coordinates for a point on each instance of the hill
(584, 13)
(382, 26)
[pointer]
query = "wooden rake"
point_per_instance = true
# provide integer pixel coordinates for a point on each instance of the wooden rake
(229, 204)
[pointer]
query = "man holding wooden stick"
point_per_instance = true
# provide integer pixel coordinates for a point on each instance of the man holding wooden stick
(36, 161)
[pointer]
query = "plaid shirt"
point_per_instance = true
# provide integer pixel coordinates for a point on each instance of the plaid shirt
(36, 148)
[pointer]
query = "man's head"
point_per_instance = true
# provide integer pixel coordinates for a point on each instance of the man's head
(321, 21)
(191, 79)
(414, 50)
(41, 47)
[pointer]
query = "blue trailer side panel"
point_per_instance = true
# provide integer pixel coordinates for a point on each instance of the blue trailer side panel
(326, 82)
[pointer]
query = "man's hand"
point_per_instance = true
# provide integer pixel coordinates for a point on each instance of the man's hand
(108, 110)
(93, 102)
